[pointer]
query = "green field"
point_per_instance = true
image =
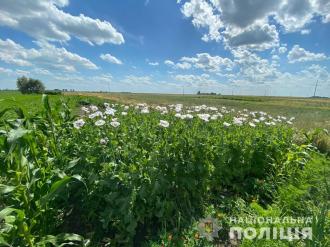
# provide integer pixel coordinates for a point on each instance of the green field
(309, 112)
(80, 169)
(32, 103)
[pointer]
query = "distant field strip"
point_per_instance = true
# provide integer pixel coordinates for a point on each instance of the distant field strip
(309, 112)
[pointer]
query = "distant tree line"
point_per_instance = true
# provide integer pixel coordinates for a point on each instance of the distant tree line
(211, 93)
(29, 85)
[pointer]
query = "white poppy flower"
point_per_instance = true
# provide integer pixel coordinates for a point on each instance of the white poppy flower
(104, 141)
(99, 122)
(226, 124)
(238, 121)
(114, 124)
(95, 114)
(204, 117)
(79, 123)
(110, 111)
(189, 116)
(145, 110)
(164, 123)
(94, 108)
(85, 109)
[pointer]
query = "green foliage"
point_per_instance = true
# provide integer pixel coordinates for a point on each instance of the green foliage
(53, 92)
(321, 139)
(146, 184)
(30, 183)
(306, 194)
(28, 85)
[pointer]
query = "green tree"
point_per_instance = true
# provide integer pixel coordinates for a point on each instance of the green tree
(29, 85)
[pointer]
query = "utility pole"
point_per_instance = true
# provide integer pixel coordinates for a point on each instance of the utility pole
(317, 82)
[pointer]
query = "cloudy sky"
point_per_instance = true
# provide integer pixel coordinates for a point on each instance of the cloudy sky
(258, 47)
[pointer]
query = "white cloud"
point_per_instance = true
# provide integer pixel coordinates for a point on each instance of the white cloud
(102, 78)
(111, 59)
(40, 71)
(61, 3)
(254, 68)
(183, 65)
(323, 8)
(244, 13)
(294, 14)
(173, 65)
(256, 37)
(5, 71)
(305, 31)
(242, 23)
(191, 78)
(203, 16)
(153, 63)
(317, 71)
(203, 61)
(249, 24)
(43, 19)
(169, 63)
(209, 63)
(282, 49)
(275, 57)
(21, 72)
(298, 54)
(47, 56)
(203, 80)
(134, 80)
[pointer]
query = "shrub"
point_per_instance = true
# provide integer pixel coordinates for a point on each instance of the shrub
(53, 92)
(28, 85)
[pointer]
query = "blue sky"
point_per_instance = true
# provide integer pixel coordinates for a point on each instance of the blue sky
(260, 47)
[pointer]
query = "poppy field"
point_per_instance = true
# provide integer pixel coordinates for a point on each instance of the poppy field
(116, 174)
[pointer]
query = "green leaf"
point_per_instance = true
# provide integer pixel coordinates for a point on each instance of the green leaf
(20, 113)
(61, 239)
(6, 211)
(58, 186)
(72, 163)
(4, 189)
(45, 101)
(4, 111)
(3, 242)
(16, 134)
